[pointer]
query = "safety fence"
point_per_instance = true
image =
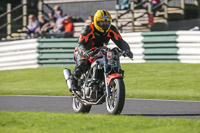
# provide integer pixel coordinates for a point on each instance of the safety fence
(19, 54)
(56, 52)
(188, 44)
(168, 46)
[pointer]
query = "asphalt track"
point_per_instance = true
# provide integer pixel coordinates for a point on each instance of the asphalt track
(133, 107)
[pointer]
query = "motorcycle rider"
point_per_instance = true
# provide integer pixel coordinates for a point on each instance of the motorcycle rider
(94, 35)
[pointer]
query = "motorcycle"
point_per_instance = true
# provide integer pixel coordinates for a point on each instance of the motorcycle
(103, 82)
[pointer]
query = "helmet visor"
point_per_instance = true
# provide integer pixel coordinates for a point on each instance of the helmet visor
(104, 24)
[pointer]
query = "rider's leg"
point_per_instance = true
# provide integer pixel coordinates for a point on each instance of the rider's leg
(81, 67)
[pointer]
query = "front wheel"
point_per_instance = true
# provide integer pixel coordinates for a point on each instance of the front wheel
(115, 102)
(79, 107)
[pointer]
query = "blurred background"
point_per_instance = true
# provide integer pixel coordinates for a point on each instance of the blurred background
(138, 16)
(35, 33)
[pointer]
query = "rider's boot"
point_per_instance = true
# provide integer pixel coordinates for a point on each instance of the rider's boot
(76, 74)
(74, 84)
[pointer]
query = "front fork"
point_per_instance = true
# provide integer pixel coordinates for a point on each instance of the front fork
(106, 75)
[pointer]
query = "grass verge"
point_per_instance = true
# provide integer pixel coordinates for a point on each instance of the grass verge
(41, 122)
(176, 81)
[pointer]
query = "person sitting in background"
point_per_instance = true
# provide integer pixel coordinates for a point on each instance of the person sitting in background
(56, 8)
(90, 19)
(49, 25)
(153, 14)
(33, 24)
(69, 26)
(153, 4)
(124, 5)
(42, 22)
(58, 27)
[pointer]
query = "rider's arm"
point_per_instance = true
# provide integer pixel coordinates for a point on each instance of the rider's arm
(83, 40)
(123, 45)
(119, 41)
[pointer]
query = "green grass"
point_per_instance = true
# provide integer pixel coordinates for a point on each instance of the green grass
(40, 122)
(147, 80)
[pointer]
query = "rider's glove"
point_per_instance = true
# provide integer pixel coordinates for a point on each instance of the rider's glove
(87, 53)
(129, 54)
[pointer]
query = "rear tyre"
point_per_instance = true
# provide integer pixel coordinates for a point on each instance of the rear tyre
(79, 107)
(115, 102)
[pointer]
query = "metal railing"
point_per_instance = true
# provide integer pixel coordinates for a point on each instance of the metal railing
(9, 11)
(164, 4)
(132, 9)
(11, 21)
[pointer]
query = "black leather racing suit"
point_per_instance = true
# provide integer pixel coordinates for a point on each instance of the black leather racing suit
(90, 38)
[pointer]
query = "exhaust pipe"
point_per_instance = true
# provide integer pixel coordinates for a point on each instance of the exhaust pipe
(67, 74)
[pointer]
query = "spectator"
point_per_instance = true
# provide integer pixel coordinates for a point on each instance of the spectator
(151, 16)
(42, 22)
(33, 24)
(90, 19)
(69, 26)
(56, 8)
(153, 4)
(124, 5)
(49, 25)
(58, 27)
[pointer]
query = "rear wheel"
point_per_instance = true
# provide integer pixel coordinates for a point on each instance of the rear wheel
(79, 107)
(115, 102)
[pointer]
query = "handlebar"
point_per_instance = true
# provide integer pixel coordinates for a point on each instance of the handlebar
(104, 51)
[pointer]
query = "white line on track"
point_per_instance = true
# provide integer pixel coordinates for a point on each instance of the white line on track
(45, 96)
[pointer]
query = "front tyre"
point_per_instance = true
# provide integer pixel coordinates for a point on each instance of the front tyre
(115, 102)
(79, 107)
